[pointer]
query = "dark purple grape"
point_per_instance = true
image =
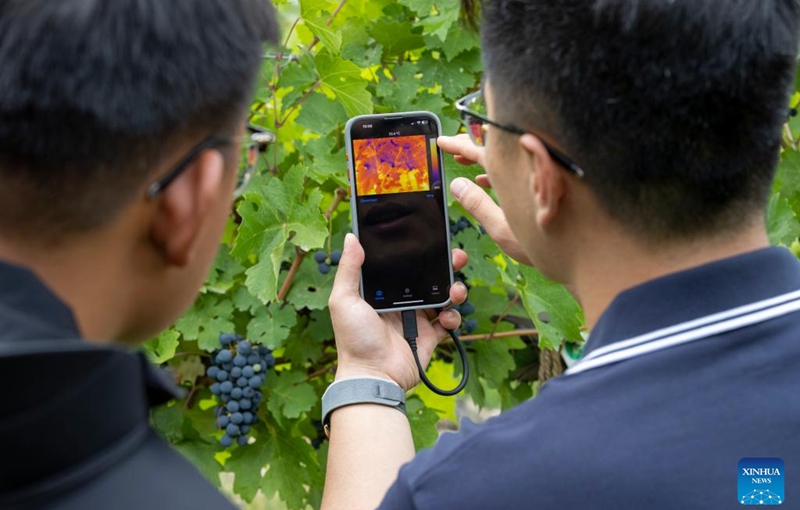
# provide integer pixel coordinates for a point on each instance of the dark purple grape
(226, 339)
(324, 268)
(336, 256)
(226, 440)
(320, 256)
(224, 356)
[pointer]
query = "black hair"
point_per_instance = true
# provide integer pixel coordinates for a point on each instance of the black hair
(94, 93)
(673, 108)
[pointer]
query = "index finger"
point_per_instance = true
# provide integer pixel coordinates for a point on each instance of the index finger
(462, 147)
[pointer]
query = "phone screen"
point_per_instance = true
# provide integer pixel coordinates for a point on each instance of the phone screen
(399, 210)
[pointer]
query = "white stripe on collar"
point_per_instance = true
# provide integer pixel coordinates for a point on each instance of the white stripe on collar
(690, 331)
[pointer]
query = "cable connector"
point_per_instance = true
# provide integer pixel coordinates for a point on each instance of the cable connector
(410, 333)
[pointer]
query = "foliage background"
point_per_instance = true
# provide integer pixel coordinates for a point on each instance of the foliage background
(341, 59)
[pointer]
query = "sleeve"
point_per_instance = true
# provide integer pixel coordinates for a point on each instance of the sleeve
(399, 496)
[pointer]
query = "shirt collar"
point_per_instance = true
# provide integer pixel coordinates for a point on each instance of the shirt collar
(695, 293)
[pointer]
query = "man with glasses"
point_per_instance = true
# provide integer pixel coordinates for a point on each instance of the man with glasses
(632, 146)
(122, 146)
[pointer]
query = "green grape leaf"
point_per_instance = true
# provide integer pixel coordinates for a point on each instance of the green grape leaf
(439, 24)
(204, 322)
(287, 395)
(321, 115)
(493, 361)
(163, 347)
(224, 272)
(554, 311)
(291, 467)
(320, 327)
(297, 77)
(246, 302)
(423, 423)
(303, 348)
(513, 395)
(270, 218)
(357, 46)
(310, 289)
(332, 39)
(343, 80)
(271, 325)
(458, 40)
(396, 38)
(419, 7)
(782, 223)
(480, 248)
(400, 91)
(454, 80)
(325, 164)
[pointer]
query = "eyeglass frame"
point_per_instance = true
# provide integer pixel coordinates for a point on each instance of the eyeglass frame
(465, 111)
(259, 138)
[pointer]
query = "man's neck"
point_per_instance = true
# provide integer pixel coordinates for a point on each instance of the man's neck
(617, 266)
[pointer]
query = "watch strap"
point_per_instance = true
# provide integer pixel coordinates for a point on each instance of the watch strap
(361, 390)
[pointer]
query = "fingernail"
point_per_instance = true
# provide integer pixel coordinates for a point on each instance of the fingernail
(348, 241)
(458, 186)
(450, 315)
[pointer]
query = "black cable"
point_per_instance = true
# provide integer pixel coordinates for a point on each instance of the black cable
(410, 333)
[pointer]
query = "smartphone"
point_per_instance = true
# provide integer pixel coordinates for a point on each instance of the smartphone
(399, 210)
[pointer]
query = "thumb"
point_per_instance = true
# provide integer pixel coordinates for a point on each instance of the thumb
(348, 275)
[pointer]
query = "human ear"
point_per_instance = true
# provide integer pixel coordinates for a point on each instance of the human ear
(182, 208)
(545, 179)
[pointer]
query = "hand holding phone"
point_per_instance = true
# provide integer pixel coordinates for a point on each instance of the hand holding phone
(399, 210)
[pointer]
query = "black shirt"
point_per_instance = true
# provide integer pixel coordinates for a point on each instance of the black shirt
(683, 377)
(74, 423)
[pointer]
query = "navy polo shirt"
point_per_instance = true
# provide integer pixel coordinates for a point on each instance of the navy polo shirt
(683, 377)
(74, 419)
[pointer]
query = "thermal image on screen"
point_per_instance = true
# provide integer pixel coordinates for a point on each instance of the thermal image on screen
(391, 165)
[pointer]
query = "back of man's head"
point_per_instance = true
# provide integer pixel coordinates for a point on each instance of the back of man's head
(672, 107)
(94, 94)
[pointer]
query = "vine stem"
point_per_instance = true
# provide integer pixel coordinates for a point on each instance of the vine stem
(281, 122)
(322, 371)
(503, 314)
(330, 20)
(300, 254)
(495, 336)
(341, 193)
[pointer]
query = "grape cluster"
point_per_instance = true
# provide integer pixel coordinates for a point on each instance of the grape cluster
(324, 262)
(459, 226)
(468, 325)
(239, 370)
